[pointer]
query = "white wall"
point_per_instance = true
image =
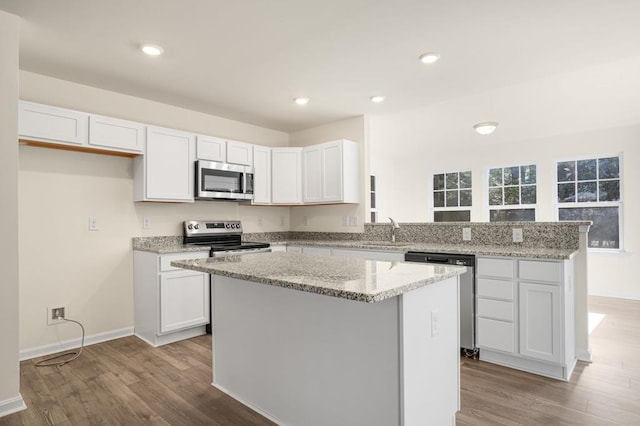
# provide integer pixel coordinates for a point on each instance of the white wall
(61, 262)
(589, 112)
(330, 218)
(9, 366)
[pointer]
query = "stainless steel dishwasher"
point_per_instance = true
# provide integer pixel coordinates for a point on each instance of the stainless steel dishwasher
(467, 292)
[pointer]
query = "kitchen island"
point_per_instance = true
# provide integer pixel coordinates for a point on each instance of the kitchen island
(318, 340)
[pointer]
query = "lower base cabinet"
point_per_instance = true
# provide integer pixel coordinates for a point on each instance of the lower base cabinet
(170, 304)
(525, 314)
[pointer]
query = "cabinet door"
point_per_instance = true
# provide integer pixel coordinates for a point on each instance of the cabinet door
(184, 300)
(540, 321)
(332, 179)
(239, 153)
(211, 148)
(286, 173)
(312, 174)
(262, 175)
(169, 162)
(51, 124)
(114, 133)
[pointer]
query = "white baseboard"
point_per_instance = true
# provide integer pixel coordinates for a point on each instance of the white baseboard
(631, 296)
(12, 405)
(74, 343)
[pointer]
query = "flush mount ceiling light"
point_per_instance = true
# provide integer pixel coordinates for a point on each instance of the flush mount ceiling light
(301, 100)
(152, 49)
(429, 57)
(377, 99)
(486, 128)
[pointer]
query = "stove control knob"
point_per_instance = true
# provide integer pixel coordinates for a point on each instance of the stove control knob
(235, 225)
(190, 226)
(197, 226)
(228, 225)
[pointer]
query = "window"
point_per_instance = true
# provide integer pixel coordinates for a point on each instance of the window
(452, 197)
(589, 189)
(374, 208)
(512, 193)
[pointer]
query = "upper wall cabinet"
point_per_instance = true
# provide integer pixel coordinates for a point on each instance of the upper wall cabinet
(106, 132)
(166, 171)
(262, 175)
(331, 172)
(240, 153)
(64, 127)
(211, 148)
(286, 175)
(50, 124)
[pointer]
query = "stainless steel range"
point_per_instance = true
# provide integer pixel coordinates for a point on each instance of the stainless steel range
(224, 237)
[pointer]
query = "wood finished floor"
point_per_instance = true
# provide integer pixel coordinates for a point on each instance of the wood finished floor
(127, 382)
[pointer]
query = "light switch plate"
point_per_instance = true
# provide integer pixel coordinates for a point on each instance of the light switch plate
(146, 223)
(466, 234)
(305, 220)
(93, 224)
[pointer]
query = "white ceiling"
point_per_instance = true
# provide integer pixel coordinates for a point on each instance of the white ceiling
(247, 59)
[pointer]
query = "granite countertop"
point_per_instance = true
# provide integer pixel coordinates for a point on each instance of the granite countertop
(173, 244)
(348, 278)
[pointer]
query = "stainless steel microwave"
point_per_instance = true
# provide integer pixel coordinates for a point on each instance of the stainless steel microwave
(223, 181)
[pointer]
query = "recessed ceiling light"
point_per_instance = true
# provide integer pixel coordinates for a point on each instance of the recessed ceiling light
(377, 98)
(152, 49)
(429, 57)
(301, 100)
(486, 128)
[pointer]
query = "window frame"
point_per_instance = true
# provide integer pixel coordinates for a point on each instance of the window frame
(585, 204)
(431, 190)
(485, 199)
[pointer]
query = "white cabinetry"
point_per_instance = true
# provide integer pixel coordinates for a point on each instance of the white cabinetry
(525, 314)
(239, 153)
(331, 172)
(262, 175)
(122, 135)
(494, 304)
(170, 304)
(166, 171)
(211, 148)
(286, 175)
(50, 124)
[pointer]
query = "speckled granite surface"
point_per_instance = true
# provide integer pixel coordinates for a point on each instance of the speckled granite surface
(348, 278)
(541, 240)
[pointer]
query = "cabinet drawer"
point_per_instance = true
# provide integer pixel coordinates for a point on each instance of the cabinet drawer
(539, 270)
(494, 334)
(495, 267)
(496, 289)
(166, 259)
(496, 309)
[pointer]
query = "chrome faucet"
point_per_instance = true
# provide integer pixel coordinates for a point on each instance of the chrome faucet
(394, 226)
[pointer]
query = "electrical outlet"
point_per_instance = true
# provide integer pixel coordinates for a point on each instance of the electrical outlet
(345, 220)
(466, 234)
(281, 220)
(353, 220)
(146, 223)
(56, 313)
(517, 235)
(305, 220)
(93, 224)
(435, 323)
(259, 220)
